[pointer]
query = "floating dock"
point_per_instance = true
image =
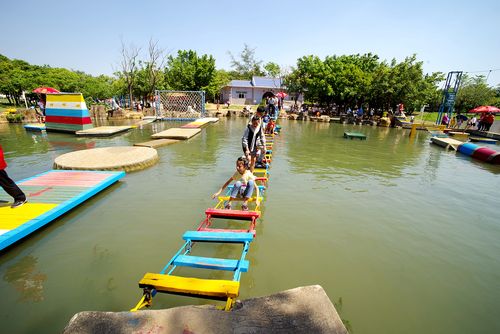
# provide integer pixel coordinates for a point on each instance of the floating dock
(157, 143)
(200, 123)
(483, 140)
(352, 135)
(35, 127)
(176, 133)
(446, 142)
(50, 195)
(103, 131)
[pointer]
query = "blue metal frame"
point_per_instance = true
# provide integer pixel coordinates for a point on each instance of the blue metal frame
(449, 94)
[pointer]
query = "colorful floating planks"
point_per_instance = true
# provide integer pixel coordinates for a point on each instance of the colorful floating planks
(50, 195)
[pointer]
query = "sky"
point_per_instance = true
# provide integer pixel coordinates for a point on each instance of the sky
(88, 35)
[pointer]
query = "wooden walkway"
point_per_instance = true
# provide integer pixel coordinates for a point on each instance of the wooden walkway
(50, 195)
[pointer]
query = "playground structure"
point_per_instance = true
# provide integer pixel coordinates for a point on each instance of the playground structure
(179, 105)
(449, 94)
(67, 112)
(219, 289)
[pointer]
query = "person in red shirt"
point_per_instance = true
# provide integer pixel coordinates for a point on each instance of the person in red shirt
(488, 120)
(10, 186)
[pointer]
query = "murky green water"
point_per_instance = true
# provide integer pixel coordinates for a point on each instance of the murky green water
(403, 236)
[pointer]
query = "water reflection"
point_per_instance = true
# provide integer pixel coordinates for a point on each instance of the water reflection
(26, 279)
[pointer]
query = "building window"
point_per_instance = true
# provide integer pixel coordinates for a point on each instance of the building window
(241, 95)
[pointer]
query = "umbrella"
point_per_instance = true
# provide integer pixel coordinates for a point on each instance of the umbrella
(281, 95)
(45, 90)
(482, 109)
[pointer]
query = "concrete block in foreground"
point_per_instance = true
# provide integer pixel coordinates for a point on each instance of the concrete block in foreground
(300, 310)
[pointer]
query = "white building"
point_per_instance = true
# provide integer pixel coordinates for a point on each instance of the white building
(252, 91)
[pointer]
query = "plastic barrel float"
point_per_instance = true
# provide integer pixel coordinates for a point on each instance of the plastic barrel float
(481, 153)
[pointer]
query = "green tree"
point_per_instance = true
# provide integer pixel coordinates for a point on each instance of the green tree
(247, 65)
(187, 71)
(273, 70)
(474, 92)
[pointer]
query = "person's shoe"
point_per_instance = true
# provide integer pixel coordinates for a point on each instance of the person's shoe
(18, 203)
(227, 206)
(244, 207)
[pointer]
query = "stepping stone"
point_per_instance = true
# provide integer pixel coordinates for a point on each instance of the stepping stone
(125, 158)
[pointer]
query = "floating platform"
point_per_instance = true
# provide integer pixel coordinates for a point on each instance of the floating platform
(176, 133)
(35, 127)
(145, 121)
(157, 143)
(352, 135)
(457, 134)
(50, 195)
(199, 123)
(483, 140)
(103, 131)
(125, 158)
(446, 142)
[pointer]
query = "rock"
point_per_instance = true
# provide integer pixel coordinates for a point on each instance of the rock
(300, 310)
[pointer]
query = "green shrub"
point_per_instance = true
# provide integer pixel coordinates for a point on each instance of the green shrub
(14, 118)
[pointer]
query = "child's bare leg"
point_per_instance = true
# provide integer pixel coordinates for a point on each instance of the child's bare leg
(252, 162)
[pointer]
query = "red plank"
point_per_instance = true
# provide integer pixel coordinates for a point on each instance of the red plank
(68, 120)
(68, 179)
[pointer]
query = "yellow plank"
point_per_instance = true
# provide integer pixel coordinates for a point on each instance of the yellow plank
(190, 285)
(77, 97)
(12, 218)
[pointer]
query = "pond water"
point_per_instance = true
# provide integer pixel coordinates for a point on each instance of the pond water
(403, 236)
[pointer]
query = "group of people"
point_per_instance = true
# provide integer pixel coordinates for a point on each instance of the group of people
(484, 123)
(274, 105)
(253, 144)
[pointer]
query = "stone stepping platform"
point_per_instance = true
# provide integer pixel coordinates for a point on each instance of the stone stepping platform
(176, 133)
(124, 158)
(300, 310)
(157, 143)
(103, 131)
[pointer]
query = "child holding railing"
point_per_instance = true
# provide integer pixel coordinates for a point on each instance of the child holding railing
(243, 187)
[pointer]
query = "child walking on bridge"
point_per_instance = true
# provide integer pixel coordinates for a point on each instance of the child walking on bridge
(253, 141)
(244, 186)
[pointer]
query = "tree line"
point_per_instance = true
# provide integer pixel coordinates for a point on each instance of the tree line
(335, 82)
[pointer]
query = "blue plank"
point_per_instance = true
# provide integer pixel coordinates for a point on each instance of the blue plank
(29, 227)
(210, 263)
(234, 237)
(231, 186)
(68, 112)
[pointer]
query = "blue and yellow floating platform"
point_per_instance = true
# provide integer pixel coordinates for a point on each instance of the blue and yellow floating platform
(50, 195)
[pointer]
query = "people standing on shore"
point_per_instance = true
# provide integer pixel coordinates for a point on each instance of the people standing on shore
(445, 120)
(10, 186)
